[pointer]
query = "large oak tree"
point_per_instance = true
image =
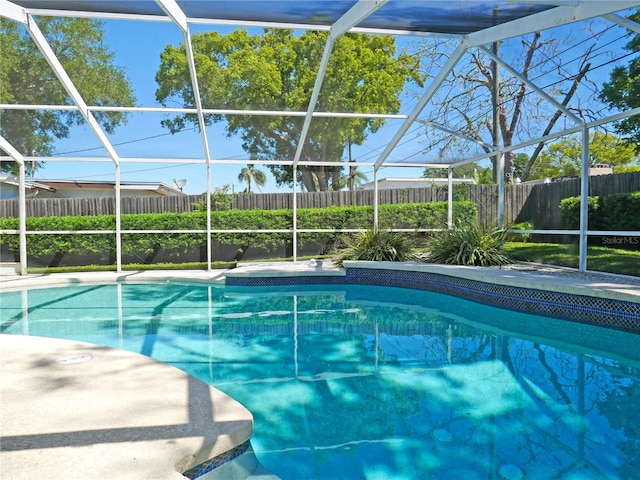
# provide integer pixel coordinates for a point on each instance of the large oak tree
(276, 70)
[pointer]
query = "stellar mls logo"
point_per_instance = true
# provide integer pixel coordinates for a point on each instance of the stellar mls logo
(631, 240)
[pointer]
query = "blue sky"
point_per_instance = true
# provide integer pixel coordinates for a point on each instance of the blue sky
(137, 47)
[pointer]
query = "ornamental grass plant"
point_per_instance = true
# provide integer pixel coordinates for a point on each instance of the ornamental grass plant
(469, 244)
(377, 247)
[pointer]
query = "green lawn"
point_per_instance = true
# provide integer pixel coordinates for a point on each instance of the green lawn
(133, 266)
(603, 259)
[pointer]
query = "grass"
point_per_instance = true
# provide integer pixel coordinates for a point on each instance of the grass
(157, 266)
(133, 266)
(602, 259)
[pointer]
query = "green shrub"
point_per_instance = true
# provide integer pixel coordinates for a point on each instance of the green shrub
(469, 244)
(619, 212)
(608, 212)
(376, 247)
(142, 246)
(519, 237)
(221, 199)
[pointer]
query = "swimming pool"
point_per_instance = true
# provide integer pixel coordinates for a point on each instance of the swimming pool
(351, 382)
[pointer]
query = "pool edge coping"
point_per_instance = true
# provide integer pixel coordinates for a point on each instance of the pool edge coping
(517, 278)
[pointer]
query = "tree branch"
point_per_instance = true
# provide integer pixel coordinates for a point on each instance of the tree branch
(554, 119)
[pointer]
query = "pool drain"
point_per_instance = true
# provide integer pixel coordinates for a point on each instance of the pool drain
(510, 472)
(73, 359)
(441, 435)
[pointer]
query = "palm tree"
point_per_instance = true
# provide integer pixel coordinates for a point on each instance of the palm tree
(252, 174)
(356, 178)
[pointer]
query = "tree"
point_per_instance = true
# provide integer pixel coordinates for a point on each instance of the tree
(520, 162)
(276, 70)
(464, 101)
(481, 175)
(26, 78)
(564, 158)
(252, 174)
(355, 178)
(622, 91)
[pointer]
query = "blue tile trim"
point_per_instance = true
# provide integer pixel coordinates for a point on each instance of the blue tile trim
(285, 280)
(604, 312)
(215, 462)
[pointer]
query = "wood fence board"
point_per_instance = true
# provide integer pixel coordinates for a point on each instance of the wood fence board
(537, 203)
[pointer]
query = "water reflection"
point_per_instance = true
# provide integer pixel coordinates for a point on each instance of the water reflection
(371, 382)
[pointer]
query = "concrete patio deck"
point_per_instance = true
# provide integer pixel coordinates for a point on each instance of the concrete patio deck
(74, 410)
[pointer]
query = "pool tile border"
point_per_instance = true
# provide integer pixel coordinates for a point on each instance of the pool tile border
(269, 281)
(592, 310)
(216, 462)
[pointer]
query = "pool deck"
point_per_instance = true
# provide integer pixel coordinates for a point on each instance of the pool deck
(74, 410)
(541, 277)
(121, 415)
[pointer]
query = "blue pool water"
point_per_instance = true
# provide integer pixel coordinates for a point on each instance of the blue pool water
(360, 382)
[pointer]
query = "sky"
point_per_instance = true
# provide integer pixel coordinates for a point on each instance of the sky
(137, 47)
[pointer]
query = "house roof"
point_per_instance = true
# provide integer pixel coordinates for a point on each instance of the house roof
(158, 187)
(53, 185)
(28, 184)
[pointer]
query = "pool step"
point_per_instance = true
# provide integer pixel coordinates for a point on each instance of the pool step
(243, 467)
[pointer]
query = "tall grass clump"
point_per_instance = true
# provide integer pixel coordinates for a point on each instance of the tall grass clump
(469, 244)
(377, 247)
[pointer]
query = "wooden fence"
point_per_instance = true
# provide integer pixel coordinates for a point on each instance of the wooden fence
(537, 203)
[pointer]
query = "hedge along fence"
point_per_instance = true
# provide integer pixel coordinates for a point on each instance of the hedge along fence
(191, 227)
(607, 212)
(620, 212)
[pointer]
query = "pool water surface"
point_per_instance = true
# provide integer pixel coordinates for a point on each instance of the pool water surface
(362, 382)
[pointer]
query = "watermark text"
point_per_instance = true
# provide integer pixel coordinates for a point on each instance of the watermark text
(619, 240)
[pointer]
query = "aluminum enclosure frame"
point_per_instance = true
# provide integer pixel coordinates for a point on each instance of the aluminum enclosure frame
(355, 16)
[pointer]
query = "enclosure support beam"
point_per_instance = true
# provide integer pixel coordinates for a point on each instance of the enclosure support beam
(444, 129)
(355, 15)
(501, 190)
(22, 202)
(584, 200)
(623, 22)
(40, 40)
(203, 133)
(450, 197)
(294, 202)
(49, 55)
(422, 103)
(546, 138)
(118, 220)
(314, 100)
(376, 200)
(173, 10)
(498, 157)
(532, 85)
(551, 18)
